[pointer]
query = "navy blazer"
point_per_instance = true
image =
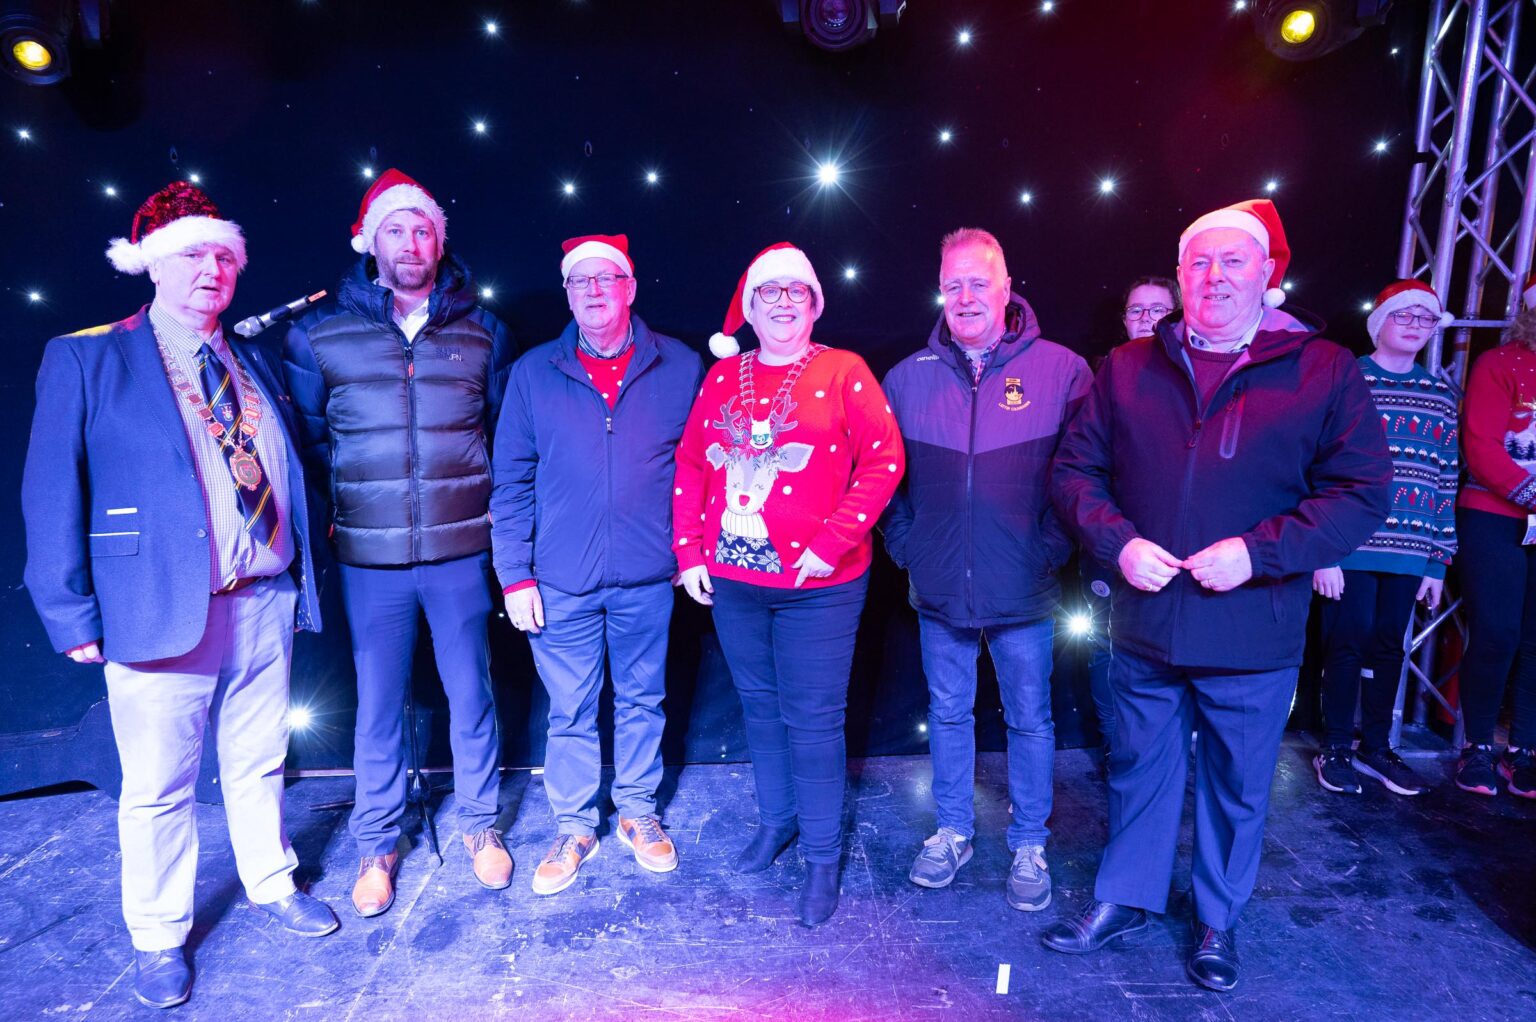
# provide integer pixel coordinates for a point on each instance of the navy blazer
(117, 540)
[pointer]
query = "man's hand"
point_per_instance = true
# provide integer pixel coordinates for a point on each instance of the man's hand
(695, 582)
(1329, 582)
(525, 609)
(1148, 566)
(1430, 591)
(1222, 566)
(810, 566)
(88, 653)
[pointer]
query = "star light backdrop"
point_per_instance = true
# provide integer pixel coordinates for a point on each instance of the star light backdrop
(1084, 133)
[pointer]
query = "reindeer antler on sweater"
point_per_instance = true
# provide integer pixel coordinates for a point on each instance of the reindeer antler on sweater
(734, 424)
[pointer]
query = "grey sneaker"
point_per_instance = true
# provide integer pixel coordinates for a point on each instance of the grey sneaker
(1387, 766)
(1029, 881)
(941, 858)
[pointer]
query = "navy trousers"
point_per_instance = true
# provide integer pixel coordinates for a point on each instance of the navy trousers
(383, 605)
(790, 651)
(1241, 717)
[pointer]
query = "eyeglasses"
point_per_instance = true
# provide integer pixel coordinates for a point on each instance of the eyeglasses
(1155, 311)
(1404, 318)
(580, 281)
(769, 293)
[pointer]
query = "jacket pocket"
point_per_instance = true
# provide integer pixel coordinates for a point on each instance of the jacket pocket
(114, 544)
(1233, 426)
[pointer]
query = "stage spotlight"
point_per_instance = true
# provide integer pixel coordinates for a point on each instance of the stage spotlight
(1271, 186)
(1308, 29)
(487, 293)
(827, 174)
(34, 296)
(838, 25)
(299, 717)
(1025, 198)
(34, 41)
(1079, 625)
(850, 273)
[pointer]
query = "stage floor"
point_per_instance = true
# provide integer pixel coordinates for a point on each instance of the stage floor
(1374, 907)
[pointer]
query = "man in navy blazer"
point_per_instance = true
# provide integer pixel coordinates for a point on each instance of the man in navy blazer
(167, 537)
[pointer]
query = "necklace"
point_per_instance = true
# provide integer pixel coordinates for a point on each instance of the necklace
(235, 438)
(763, 429)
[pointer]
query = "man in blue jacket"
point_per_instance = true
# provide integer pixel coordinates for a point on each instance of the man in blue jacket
(982, 408)
(1218, 463)
(167, 537)
(397, 385)
(582, 531)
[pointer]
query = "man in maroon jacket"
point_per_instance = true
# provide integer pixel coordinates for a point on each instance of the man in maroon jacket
(1217, 463)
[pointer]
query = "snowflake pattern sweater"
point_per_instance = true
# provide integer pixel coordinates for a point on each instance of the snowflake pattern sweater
(1418, 415)
(1498, 433)
(836, 457)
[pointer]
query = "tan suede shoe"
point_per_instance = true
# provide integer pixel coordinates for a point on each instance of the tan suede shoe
(374, 891)
(561, 862)
(491, 863)
(653, 849)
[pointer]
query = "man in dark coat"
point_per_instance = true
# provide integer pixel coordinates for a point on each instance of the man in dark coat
(397, 384)
(1217, 463)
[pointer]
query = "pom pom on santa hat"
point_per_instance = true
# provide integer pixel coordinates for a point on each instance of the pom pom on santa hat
(175, 218)
(1258, 219)
(392, 192)
(779, 260)
(1404, 294)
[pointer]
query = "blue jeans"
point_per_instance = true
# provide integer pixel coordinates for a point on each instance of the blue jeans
(383, 605)
(1023, 659)
(626, 628)
(789, 651)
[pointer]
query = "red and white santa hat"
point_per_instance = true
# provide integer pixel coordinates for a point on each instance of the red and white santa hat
(613, 247)
(1404, 294)
(175, 218)
(1528, 293)
(1258, 219)
(390, 193)
(778, 260)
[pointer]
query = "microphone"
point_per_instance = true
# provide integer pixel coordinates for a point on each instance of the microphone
(256, 324)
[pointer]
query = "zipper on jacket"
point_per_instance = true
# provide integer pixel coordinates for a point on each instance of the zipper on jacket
(970, 499)
(410, 429)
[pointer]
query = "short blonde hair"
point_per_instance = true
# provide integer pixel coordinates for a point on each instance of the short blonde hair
(972, 236)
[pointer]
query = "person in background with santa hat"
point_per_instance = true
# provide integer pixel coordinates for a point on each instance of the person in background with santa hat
(397, 383)
(1369, 595)
(789, 456)
(1217, 463)
(582, 526)
(168, 537)
(1496, 527)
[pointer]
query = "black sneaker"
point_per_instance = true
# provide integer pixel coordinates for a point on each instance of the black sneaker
(1334, 771)
(1518, 768)
(1386, 766)
(1475, 772)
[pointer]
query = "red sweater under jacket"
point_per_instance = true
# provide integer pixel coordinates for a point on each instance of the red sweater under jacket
(837, 457)
(1498, 435)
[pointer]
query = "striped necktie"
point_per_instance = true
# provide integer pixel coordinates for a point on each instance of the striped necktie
(256, 504)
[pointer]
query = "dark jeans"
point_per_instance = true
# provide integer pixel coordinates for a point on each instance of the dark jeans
(1363, 634)
(789, 651)
(1498, 581)
(383, 605)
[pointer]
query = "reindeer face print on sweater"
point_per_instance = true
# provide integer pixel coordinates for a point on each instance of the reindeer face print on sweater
(750, 471)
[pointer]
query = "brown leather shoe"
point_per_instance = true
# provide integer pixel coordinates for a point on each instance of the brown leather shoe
(374, 891)
(652, 847)
(561, 862)
(491, 863)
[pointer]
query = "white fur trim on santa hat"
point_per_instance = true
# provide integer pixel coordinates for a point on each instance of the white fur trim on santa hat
(1405, 300)
(393, 200)
(594, 250)
(781, 262)
(1235, 218)
(176, 236)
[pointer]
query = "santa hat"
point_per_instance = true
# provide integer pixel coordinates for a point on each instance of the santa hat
(780, 260)
(1404, 294)
(1528, 293)
(392, 192)
(613, 247)
(1258, 219)
(175, 218)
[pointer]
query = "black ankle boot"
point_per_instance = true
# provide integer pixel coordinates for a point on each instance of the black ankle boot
(818, 898)
(766, 845)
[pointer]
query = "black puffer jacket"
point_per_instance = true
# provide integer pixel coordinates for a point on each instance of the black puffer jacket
(400, 429)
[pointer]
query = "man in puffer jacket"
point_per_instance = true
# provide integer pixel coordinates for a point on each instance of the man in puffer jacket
(397, 384)
(981, 409)
(1218, 463)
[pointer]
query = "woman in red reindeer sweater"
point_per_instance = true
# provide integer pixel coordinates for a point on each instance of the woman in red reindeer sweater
(789, 456)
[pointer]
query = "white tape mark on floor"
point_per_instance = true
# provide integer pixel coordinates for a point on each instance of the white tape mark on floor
(1002, 977)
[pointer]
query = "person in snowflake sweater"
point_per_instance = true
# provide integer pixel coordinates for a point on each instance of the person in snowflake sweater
(1497, 530)
(1369, 595)
(789, 456)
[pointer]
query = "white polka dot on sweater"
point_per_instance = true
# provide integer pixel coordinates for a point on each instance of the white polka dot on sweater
(893, 467)
(788, 490)
(678, 491)
(762, 400)
(858, 387)
(875, 445)
(833, 449)
(718, 379)
(795, 544)
(682, 542)
(821, 393)
(605, 397)
(863, 517)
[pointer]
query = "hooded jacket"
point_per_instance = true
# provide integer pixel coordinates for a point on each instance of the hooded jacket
(400, 430)
(1288, 454)
(972, 522)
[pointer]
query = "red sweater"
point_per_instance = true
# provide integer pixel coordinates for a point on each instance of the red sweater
(832, 469)
(1498, 436)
